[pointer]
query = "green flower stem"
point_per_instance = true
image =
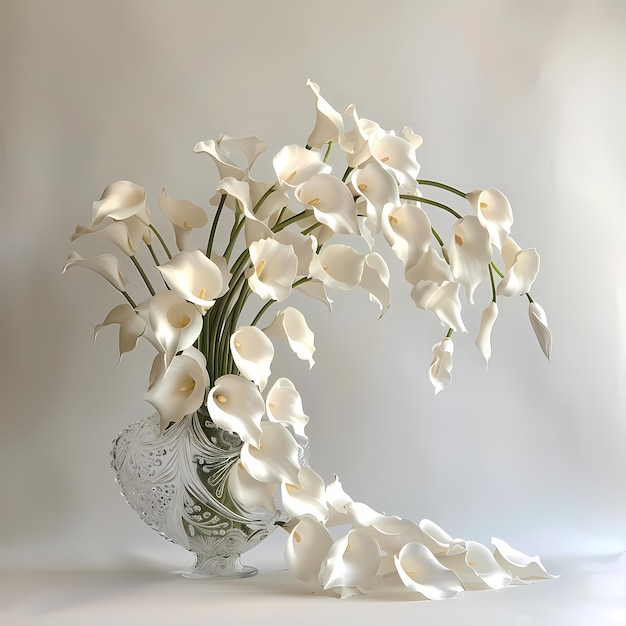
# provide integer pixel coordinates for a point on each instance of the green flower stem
(143, 274)
(231, 326)
(406, 196)
(493, 283)
(158, 234)
(263, 198)
(449, 333)
(234, 234)
(310, 229)
(292, 220)
(346, 174)
(154, 256)
(495, 267)
(259, 315)
(529, 297)
(434, 183)
(437, 236)
(329, 146)
(220, 206)
(130, 300)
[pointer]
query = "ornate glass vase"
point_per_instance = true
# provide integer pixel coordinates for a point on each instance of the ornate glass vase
(177, 483)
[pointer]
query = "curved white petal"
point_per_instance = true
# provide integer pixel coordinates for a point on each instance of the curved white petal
(306, 549)
(238, 190)
(131, 326)
(521, 275)
(407, 230)
(316, 289)
(252, 352)
(304, 247)
(469, 253)
(397, 156)
(116, 232)
(420, 571)
(487, 320)
(524, 567)
(291, 323)
(378, 187)
(284, 405)
(443, 300)
(266, 199)
(331, 201)
(338, 503)
(375, 280)
(307, 497)
(294, 165)
(539, 322)
(249, 492)
(440, 370)
(119, 201)
(236, 405)
(338, 266)
(105, 264)
(183, 214)
(274, 271)
(355, 142)
(434, 537)
(494, 213)
(328, 122)
(193, 277)
(225, 150)
(274, 458)
(430, 267)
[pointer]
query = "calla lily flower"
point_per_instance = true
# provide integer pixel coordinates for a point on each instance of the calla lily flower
(304, 247)
(274, 271)
(250, 492)
(179, 389)
(375, 280)
(117, 233)
(331, 201)
(252, 352)
(174, 323)
(328, 122)
(236, 405)
(407, 230)
(521, 274)
(307, 497)
(273, 201)
(443, 300)
(338, 266)
(316, 289)
(539, 322)
(193, 277)
(236, 190)
(440, 370)
(306, 549)
(420, 571)
(355, 142)
(294, 165)
(105, 264)
(119, 201)
(469, 253)
(397, 156)
(274, 458)
(290, 323)
(434, 537)
(132, 326)
(494, 213)
(431, 267)
(525, 568)
(184, 215)
(352, 564)
(223, 153)
(284, 405)
(487, 320)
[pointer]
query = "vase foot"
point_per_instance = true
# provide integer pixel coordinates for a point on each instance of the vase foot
(207, 567)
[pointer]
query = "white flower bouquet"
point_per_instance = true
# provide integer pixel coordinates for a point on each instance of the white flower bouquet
(313, 231)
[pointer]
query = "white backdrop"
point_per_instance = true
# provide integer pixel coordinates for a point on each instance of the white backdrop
(528, 97)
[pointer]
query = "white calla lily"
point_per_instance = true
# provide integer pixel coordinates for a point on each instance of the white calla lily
(274, 458)
(284, 405)
(487, 321)
(304, 247)
(443, 300)
(275, 266)
(331, 201)
(338, 266)
(238, 195)
(469, 253)
(267, 199)
(338, 503)
(306, 497)
(306, 549)
(116, 232)
(291, 323)
(431, 267)
(378, 187)
(352, 564)
(355, 142)
(520, 276)
(194, 277)
(252, 352)
(539, 323)
(294, 165)
(440, 370)
(131, 326)
(434, 537)
(524, 567)
(249, 492)
(328, 122)
(407, 230)
(397, 156)
(119, 201)
(494, 213)
(179, 389)
(225, 150)
(184, 216)
(105, 264)
(316, 289)
(375, 280)
(236, 405)
(420, 571)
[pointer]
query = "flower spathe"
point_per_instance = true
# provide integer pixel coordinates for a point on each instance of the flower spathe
(539, 323)
(252, 352)
(274, 269)
(105, 264)
(440, 371)
(291, 324)
(120, 201)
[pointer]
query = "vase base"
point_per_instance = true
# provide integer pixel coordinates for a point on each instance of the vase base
(207, 567)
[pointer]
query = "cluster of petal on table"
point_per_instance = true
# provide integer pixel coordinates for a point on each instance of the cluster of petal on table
(310, 230)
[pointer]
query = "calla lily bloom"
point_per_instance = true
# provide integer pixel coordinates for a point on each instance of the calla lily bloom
(431, 267)
(306, 549)
(331, 201)
(224, 150)
(304, 247)
(487, 320)
(420, 571)
(338, 266)
(274, 458)
(328, 122)
(355, 142)
(521, 274)
(307, 497)
(193, 277)
(434, 537)
(105, 264)
(316, 289)
(132, 326)
(273, 201)
(440, 370)
(407, 230)
(290, 323)
(184, 216)
(375, 280)
(252, 352)
(236, 190)
(119, 201)
(494, 213)
(275, 267)
(338, 503)
(397, 156)
(116, 232)
(539, 322)
(179, 389)
(284, 405)
(352, 564)
(294, 165)
(236, 405)
(524, 567)
(250, 492)
(443, 300)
